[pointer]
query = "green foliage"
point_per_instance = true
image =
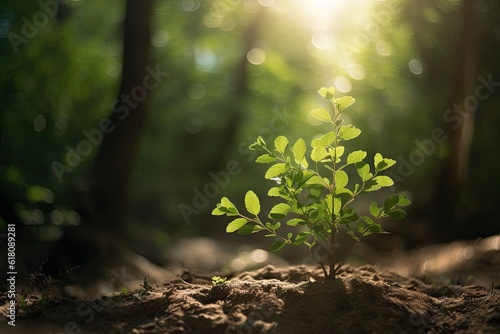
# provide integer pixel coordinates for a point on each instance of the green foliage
(22, 303)
(60, 80)
(319, 197)
(216, 280)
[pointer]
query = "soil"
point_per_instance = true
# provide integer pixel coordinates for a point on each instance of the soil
(272, 300)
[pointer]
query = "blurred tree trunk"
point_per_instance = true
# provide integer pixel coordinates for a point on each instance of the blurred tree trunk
(455, 166)
(98, 241)
(112, 170)
(103, 209)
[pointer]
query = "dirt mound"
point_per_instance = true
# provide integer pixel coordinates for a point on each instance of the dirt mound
(277, 300)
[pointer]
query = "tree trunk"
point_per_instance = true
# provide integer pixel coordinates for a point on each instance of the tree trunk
(455, 167)
(94, 245)
(110, 176)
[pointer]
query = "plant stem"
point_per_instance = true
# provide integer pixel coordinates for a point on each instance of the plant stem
(333, 236)
(332, 253)
(323, 268)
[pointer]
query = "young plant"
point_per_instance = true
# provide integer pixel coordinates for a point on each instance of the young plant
(216, 280)
(316, 197)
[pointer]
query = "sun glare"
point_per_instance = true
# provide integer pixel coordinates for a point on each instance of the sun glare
(321, 11)
(324, 15)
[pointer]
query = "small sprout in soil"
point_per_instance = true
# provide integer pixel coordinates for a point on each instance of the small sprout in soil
(317, 190)
(124, 291)
(22, 303)
(216, 280)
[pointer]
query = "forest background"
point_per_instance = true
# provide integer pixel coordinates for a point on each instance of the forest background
(124, 122)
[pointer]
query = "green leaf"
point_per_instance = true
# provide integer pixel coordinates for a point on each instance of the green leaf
(274, 192)
(348, 216)
(318, 154)
(316, 180)
(360, 227)
(384, 181)
(236, 224)
(327, 202)
(326, 140)
(279, 211)
(363, 170)
(326, 182)
(301, 238)
(391, 202)
(277, 245)
(348, 132)
(315, 193)
(322, 115)
(341, 179)
(273, 226)
(296, 177)
(327, 93)
(258, 145)
(299, 151)
(252, 203)
(356, 156)
(275, 170)
(388, 163)
(352, 234)
(306, 176)
(225, 202)
(265, 159)
(281, 143)
(403, 201)
(341, 191)
(312, 212)
(227, 207)
(249, 229)
(295, 222)
(382, 163)
(255, 147)
(344, 102)
(375, 228)
(371, 185)
(217, 211)
(367, 220)
(374, 210)
(396, 214)
(377, 159)
(337, 205)
(316, 142)
(337, 153)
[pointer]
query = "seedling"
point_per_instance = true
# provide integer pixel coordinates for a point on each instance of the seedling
(316, 197)
(216, 280)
